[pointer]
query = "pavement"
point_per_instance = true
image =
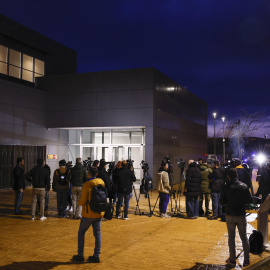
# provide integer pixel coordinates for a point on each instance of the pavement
(142, 242)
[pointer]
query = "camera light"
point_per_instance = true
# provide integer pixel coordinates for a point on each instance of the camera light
(261, 158)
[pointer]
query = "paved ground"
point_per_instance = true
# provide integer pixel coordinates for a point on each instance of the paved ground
(141, 242)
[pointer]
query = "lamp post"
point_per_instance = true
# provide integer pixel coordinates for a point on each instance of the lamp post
(215, 152)
(223, 119)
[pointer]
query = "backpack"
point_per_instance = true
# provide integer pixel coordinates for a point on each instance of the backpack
(62, 181)
(256, 242)
(98, 202)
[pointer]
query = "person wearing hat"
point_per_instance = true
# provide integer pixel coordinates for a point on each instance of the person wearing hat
(40, 179)
(61, 178)
(163, 187)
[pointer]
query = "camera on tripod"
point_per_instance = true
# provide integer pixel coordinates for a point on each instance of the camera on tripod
(111, 166)
(145, 166)
(181, 164)
(147, 183)
(87, 163)
(170, 166)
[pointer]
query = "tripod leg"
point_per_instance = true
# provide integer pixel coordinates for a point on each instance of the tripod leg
(137, 200)
(150, 213)
(155, 204)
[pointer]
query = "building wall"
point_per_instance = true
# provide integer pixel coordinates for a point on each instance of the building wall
(180, 124)
(23, 116)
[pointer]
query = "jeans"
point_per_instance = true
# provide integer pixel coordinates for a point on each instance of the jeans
(38, 193)
(62, 197)
(18, 200)
(217, 207)
(76, 195)
(206, 198)
(241, 223)
(119, 203)
(84, 226)
(192, 206)
(163, 202)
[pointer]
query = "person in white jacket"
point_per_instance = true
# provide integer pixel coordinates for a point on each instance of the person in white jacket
(163, 186)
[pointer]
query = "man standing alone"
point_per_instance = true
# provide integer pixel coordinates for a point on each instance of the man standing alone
(235, 196)
(40, 178)
(19, 185)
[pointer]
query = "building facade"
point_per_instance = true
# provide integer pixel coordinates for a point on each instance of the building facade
(137, 114)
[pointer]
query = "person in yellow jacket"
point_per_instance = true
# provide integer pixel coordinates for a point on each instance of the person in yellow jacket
(89, 218)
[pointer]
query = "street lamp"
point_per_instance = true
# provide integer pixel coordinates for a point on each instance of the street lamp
(215, 152)
(223, 119)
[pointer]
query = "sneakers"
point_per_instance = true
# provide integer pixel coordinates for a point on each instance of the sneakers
(93, 259)
(126, 218)
(118, 216)
(33, 218)
(165, 215)
(70, 209)
(78, 258)
(230, 263)
(43, 218)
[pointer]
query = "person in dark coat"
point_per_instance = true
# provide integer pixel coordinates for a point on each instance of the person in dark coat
(235, 195)
(265, 181)
(125, 181)
(40, 179)
(192, 189)
(242, 173)
(103, 174)
(217, 181)
(18, 185)
(78, 176)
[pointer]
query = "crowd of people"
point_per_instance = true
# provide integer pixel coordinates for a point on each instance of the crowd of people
(226, 185)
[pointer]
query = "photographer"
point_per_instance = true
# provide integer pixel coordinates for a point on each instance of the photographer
(164, 188)
(103, 174)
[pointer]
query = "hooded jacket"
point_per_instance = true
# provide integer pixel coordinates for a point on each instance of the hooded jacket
(86, 198)
(205, 171)
(243, 175)
(217, 180)
(55, 185)
(125, 181)
(193, 180)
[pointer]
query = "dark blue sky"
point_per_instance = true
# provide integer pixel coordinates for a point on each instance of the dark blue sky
(219, 50)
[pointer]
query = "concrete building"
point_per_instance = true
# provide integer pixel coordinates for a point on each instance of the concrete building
(48, 109)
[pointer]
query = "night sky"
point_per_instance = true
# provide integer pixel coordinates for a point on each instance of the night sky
(217, 49)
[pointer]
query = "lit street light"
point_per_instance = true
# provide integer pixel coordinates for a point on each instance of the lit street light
(215, 152)
(223, 119)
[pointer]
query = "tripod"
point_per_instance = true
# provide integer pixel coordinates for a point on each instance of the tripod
(137, 200)
(147, 184)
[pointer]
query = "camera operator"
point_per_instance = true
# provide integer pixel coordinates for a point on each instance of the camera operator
(163, 188)
(125, 180)
(115, 178)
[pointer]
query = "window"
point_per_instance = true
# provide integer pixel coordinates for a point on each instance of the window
(27, 70)
(39, 68)
(19, 65)
(3, 59)
(14, 63)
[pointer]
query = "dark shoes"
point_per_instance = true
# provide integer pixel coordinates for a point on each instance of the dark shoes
(230, 263)
(213, 217)
(78, 258)
(19, 213)
(93, 259)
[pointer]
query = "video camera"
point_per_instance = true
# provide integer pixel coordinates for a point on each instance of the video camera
(87, 163)
(69, 165)
(170, 166)
(145, 166)
(181, 164)
(130, 163)
(111, 166)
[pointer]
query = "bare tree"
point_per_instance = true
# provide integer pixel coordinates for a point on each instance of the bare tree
(244, 126)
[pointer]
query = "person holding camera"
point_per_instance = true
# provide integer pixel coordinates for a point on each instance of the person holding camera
(164, 188)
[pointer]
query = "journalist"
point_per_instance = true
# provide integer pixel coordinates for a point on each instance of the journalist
(163, 187)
